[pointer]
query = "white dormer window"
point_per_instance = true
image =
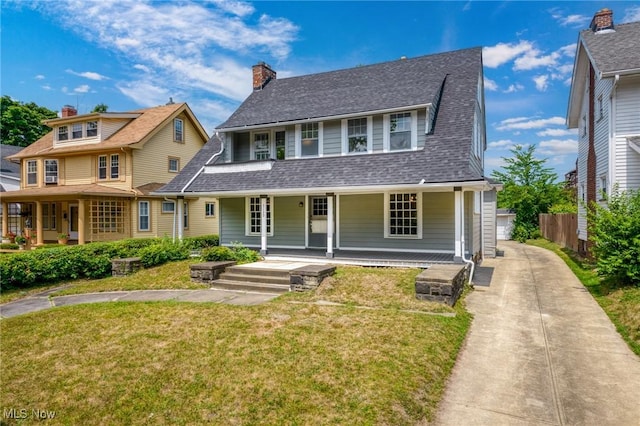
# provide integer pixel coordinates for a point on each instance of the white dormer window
(92, 129)
(357, 135)
(76, 131)
(400, 131)
(178, 134)
(261, 147)
(309, 140)
(63, 133)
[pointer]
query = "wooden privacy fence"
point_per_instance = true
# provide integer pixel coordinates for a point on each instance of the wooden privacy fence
(560, 228)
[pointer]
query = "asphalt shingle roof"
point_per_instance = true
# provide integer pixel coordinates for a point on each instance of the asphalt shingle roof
(616, 50)
(446, 156)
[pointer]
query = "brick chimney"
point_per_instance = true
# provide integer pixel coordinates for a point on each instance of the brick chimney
(602, 20)
(262, 74)
(69, 111)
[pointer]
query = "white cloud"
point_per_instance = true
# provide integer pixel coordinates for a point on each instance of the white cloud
(558, 147)
(84, 88)
(556, 132)
(574, 21)
(501, 144)
(534, 58)
(527, 123)
(145, 93)
(39, 77)
(46, 87)
(631, 14)
(191, 44)
(490, 84)
(514, 88)
(542, 82)
(501, 53)
(89, 74)
(569, 50)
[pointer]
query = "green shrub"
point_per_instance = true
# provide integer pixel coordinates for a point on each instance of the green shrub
(201, 242)
(216, 254)
(615, 231)
(9, 246)
(164, 252)
(237, 253)
(243, 254)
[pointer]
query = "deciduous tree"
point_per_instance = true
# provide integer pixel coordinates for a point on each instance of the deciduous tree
(21, 124)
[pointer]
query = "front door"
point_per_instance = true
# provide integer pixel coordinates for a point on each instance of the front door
(73, 222)
(318, 222)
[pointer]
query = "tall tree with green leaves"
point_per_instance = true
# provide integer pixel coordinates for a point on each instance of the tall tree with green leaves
(20, 123)
(100, 108)
(529, 189)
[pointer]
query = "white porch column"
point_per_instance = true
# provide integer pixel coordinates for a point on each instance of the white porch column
(458, 206)
(330, 225)
(82, 214)
(263, 225)
(39, 239)
(180, 209)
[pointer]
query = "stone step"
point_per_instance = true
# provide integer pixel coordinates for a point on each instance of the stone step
(265, 272)
(250, 286)
(255, 277)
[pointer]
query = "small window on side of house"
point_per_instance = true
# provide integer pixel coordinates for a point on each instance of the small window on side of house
(210, 210)
(168, 207)
(178, 130)
(143, 216)
(32, 172)
(174, 165)
(603, 188)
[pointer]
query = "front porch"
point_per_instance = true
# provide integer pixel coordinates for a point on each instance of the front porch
(361, 257)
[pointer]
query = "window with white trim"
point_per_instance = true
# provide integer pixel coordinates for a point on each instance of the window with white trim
(168, 207)
(115, 166)
(178, 130)
(254, 217)
(143, 216)
(185, 216)
(357, 135)
(403, 215)
(92, 129)
(63, 133)
(603, 188)
(76, 131)
(210, 209)
(309, 144)
(400, 131)
(50, 171)
(32, 172)
(49, 220)
(281, 145)
(102, 167)
(174, 164)
(261, 148)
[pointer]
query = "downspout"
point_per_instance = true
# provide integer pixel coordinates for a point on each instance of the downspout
(465, 260)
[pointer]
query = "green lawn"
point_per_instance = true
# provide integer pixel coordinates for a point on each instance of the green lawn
(622, 304)
(289, 361)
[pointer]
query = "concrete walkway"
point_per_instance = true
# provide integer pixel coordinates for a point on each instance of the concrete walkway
(42, 300)
(540, 351)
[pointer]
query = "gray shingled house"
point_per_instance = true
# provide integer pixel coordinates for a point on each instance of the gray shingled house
(384, 158)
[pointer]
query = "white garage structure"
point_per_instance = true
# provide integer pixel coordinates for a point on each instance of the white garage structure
(504, 227)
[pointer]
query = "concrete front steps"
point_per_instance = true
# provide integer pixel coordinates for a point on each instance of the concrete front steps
(261, 280)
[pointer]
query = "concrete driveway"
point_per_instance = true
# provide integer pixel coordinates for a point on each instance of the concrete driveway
(540, 351)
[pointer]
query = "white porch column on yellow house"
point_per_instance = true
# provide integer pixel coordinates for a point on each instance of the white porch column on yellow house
(180, 214)
(458, 200)
(263, 225)
(39, 239)
(5, 218)
(82, 211)
(330, 225)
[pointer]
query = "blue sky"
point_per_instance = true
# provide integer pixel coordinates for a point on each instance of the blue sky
(134, 54)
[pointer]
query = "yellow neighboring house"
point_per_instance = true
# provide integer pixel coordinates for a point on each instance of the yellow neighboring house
(93, 176)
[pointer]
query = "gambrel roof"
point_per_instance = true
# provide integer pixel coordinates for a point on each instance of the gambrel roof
(451, 82)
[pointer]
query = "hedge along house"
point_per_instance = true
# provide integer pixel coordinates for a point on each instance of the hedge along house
(382, 158)
(92, 176)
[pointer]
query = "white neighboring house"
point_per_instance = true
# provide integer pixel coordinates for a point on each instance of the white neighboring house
(604, 105)
(10, 181)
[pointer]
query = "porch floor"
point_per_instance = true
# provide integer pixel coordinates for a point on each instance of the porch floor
(360, 257)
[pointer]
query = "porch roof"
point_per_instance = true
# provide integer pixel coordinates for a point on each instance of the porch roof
(30, 194)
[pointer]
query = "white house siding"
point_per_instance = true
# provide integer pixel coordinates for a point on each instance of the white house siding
(583, 148)
(627, 110)
(489, 223)
(601, 135)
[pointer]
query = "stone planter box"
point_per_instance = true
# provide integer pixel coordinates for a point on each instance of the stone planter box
(309, 277)
(207, 272)
(441, 283)
(126, 266)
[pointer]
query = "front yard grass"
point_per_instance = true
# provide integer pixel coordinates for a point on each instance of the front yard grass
(276, 363)
(621, 304)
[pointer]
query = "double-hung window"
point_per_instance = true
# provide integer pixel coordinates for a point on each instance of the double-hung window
(115, 166)
(63, 133)
(357, 135)
(281, 145)
(92, 129)
(254, 218)
(400, 131)
(76, 131)
(309, 143)
(261, 147)
(143, 216)
(32, 172)
(210, 210)
(178, 131)
(403, 216)
(174, 165)
(102, 167)
(50, 171)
